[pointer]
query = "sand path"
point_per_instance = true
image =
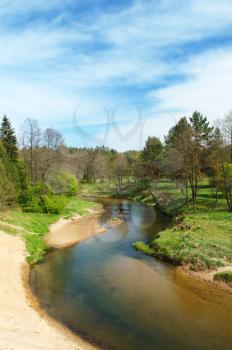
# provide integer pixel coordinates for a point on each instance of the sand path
(22, 327)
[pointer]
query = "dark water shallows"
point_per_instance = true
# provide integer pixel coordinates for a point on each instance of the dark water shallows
(115, 296)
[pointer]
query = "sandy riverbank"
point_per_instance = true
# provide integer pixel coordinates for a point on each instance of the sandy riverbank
(22, 325)
(66, 232)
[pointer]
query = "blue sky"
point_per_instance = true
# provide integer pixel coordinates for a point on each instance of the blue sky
(114, 72)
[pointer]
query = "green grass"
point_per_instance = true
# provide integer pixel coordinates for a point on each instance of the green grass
(98, 188)
(145, 248)
(167, 195)
(36, 247)
(225, 276)
(37, 225)
(33, 222)
(202, 239)
(79, 206)
(8, 229)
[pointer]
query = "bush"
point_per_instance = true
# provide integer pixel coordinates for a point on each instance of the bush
(64, 183)
(32, 199)
(53, 204)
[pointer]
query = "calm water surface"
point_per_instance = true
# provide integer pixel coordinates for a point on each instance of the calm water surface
(120, 299)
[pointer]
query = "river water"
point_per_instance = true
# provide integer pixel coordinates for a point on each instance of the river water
(119, 298)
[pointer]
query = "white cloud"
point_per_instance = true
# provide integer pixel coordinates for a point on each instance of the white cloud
(48, 68)
(208, 88)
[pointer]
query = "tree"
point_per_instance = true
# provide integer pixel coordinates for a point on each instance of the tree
(8, 138)
(178, 152)
(227, 182)
(101, 166)
(153, 148)
(52, 141)
(31, 140)
(226, 128)
(8, 179)
(213, 160)
(200, 136)
(120, 166)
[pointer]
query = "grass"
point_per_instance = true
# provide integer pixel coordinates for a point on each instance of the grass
(36, 225)
(138, 245)
(98, 188)
(79, 206)
(32, 222)
(225, 276)
(165, 193)
(203, 239)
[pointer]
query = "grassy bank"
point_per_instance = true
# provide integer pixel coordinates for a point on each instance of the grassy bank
(167, 196)
(202, 240)
(98, 188)
(32, 227)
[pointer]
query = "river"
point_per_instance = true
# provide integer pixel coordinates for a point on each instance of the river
(119, 298)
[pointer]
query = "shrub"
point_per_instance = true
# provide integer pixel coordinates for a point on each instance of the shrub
(32, 199)
(64, 183)
(53, 204)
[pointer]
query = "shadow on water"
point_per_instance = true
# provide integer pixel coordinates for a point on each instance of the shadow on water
(116, 297)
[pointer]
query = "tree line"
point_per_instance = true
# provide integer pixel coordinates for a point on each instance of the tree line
(38, 165)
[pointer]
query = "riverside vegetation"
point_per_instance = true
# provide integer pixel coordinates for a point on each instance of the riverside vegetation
(188, 176)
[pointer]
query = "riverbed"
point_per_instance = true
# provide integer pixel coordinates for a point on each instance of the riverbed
(118, 298)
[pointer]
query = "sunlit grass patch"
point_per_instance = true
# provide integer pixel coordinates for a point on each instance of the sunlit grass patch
(36, 225)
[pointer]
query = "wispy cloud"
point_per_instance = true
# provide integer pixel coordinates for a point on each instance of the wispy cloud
(166, 57)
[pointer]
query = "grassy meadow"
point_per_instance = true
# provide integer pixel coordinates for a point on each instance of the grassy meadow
(201, 239)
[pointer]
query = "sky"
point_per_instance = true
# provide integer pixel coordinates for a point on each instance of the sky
(114, 72)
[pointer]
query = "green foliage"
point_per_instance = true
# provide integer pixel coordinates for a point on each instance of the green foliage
(53, 204)
(64, 183)
(225, 276)
(8, 179)
(152, 149)
(39, 199)
(178, 135)
(8, 138)
(200, 126)
(145, 248)
(32, 199)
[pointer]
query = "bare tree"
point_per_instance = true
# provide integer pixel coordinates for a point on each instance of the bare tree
(52, 141)
(101, 167)
(31, 142)
(226, 129)
(120, 168)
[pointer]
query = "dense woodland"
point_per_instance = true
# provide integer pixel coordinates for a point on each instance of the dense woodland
(37, 169)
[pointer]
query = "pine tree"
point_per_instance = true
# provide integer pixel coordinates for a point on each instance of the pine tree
(8, 138)
(179, 139)
(201, 133)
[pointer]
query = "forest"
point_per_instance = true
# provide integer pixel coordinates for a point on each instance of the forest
(37, 166)
(188, 176)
